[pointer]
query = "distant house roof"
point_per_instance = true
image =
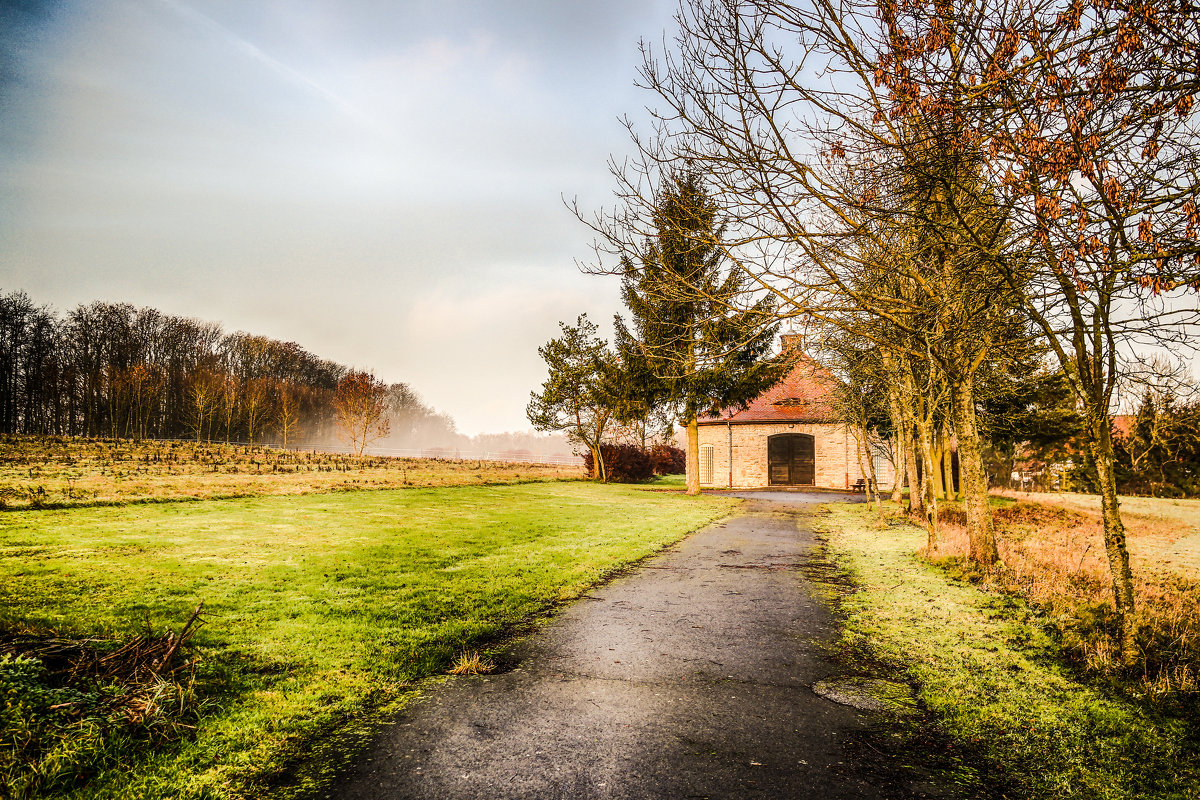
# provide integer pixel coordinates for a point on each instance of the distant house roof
(804, 395)
(1123, 424)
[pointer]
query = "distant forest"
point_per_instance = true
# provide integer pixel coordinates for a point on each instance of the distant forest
(118, 371)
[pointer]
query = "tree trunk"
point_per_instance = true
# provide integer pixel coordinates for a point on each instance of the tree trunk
(916, 503)
(693, 456)
(973, 477)
(928, 498)
(939, 485)
(598, 463)
(901, 471)
(1114, 537)
(948, 466)
(900, 453)
(864, 449)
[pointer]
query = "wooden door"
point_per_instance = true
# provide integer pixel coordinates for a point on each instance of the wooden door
(791, 459)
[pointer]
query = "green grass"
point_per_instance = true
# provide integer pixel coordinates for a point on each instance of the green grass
(322, 610)
(985, 666)
(666, 482)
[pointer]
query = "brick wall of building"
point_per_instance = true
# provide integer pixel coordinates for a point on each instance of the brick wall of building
(835, 456)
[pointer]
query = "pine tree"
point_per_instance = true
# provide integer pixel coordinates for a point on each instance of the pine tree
(574, 397)
(699, 339)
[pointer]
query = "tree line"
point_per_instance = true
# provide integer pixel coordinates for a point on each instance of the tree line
(118, 371)
(1159, 453)
(950, 195)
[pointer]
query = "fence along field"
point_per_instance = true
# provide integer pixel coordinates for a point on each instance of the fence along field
(61, 472)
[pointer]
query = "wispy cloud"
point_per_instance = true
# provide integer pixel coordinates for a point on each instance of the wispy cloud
(255, 53)
(379, 181)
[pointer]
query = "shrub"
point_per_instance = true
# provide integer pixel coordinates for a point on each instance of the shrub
(624, 463)
(668, 460)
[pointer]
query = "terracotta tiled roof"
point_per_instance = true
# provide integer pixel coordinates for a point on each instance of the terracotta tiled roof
(1123, 424)
(804, 395)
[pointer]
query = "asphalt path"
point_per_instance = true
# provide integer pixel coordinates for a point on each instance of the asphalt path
(688, 678)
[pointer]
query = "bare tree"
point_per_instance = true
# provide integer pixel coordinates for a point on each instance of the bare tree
(227, 403)
(1080, 125)
(287, 411)
(255, 406)
(204, 388)
(360, 407)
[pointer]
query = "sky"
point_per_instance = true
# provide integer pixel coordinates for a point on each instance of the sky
(381, 182)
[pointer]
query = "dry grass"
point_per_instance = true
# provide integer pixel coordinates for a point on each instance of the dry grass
(60, 472)
(1053, 553)
(469, 662)
(74, 704)
(983, 663)
(1164, 534)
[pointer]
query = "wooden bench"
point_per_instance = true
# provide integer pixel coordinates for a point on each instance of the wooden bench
(860, 485)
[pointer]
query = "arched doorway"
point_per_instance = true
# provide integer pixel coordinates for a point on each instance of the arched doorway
(791, 459)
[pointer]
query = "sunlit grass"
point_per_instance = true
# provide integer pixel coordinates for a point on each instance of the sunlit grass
(985, 665)
(321, 610)
(666, 482)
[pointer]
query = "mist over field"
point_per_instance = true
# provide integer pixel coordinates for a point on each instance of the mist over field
(381, 182)
(111, 370)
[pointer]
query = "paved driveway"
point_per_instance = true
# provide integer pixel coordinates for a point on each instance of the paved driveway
(689, 678)
(791, 497)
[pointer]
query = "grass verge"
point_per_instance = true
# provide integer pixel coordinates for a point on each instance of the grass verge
(984, 664)
(322, 611)
(1053, 557)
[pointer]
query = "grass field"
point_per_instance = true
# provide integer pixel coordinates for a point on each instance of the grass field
(1164, 533)
(320, 613)
(989, 666)
(38, 472)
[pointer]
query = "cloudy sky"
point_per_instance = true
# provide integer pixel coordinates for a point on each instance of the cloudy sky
(381, 182)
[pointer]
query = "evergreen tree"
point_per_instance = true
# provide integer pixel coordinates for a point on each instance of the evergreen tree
(698, 340)
(575, 396)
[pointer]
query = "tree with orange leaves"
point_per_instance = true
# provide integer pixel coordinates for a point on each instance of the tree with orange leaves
(359, 407)
(1094, 140)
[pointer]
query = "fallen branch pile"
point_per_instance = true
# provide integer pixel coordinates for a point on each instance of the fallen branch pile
(142, 679)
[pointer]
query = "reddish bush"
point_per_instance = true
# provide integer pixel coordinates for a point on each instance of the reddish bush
(668, 460)
(624, 463)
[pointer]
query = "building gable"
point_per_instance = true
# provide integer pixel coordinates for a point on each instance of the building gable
(804, 395)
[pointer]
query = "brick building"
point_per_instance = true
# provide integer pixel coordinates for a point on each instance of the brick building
(789, 436)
